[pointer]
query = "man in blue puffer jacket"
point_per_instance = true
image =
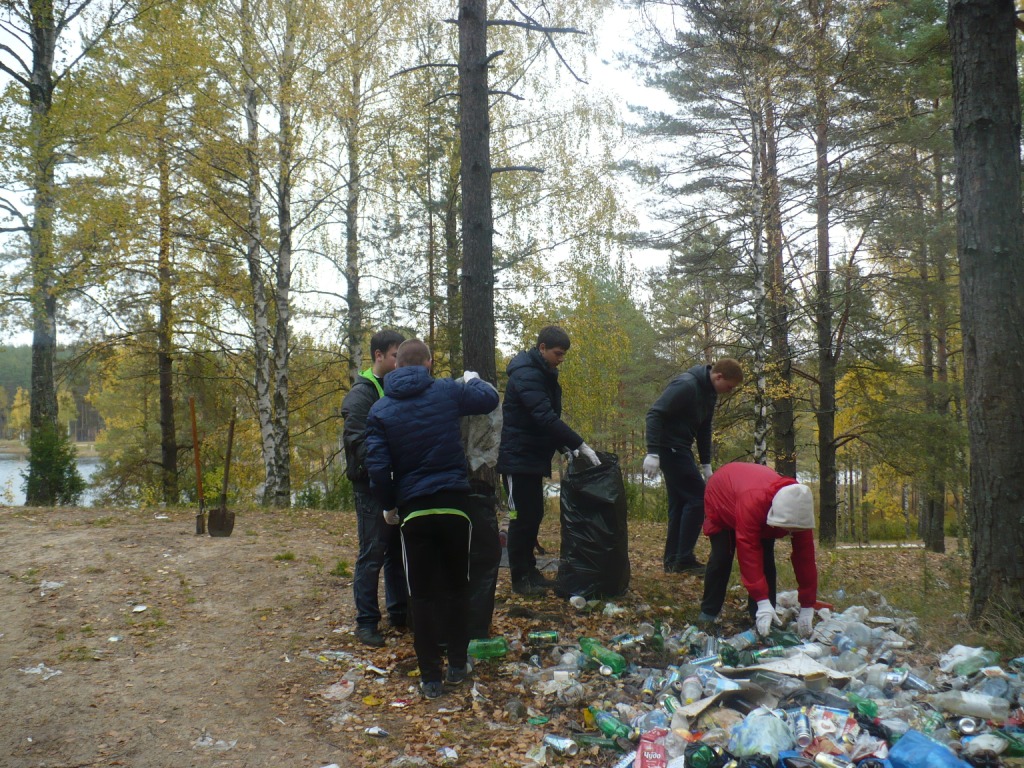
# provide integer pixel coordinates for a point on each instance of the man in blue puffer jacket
(418, 473)
(532, 430)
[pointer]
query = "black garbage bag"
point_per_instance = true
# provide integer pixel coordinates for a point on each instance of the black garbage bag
(594, 558)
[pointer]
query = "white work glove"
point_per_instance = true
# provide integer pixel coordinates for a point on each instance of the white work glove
(765, 617)
(470, 375)
(804, 622)
(588, 452)
(391, 516)
(652, 464)
(706, 471)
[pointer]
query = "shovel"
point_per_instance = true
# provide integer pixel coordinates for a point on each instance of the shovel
(201, 515)
(222, 522)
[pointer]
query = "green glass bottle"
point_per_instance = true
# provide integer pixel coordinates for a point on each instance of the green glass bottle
(785, 639)
(488, 648)
(730, 656)
(610, 725)
(701, 756)
(602, 655)
(865, 706)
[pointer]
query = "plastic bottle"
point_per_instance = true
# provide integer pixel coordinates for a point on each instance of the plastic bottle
(488, 648)
(973, 704)
(774, 682)
(743, 640)
(610, 725)
(604, 656)
(717, 684)
(692, 690)
(842, 643)
(976, 662)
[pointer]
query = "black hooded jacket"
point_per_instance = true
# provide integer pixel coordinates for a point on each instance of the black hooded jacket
(532, 428)
(683, 414)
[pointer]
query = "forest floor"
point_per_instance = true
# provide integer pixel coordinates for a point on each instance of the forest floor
(160, 648)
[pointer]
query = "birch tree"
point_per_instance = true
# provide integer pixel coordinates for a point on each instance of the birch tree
(42, 62)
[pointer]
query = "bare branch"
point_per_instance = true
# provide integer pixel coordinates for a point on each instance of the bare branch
(423, 66)
(507, 93)
(534, 27)
(493, 56)
(507, 168)
(15, 75)
(448, 94)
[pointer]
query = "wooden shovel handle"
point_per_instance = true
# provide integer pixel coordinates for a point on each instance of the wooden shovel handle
(227, 459)
(195, 452)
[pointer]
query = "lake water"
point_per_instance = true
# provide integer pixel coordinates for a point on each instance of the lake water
(12, 484)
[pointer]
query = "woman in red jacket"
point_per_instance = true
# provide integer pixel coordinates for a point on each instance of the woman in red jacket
(746, 508)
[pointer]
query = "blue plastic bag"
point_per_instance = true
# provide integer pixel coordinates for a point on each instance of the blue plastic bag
(915, 750)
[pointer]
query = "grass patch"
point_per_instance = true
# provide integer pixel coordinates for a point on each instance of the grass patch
(285, 557)
(341, 569)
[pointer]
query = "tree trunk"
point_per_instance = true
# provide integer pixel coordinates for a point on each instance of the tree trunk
(478, 332)
(282, 288)
(43, 400)
(355, 301)
(260, 306)
(453, 297)
(783, 421)
(823, 311)
(165, 327)
(990, 243)
(760, 345)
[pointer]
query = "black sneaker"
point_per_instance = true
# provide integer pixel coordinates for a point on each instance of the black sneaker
(694, 567)
(538, 579)
(369, 636)
(431, 690)
(697, 569)
(528, 588)
(456, 675)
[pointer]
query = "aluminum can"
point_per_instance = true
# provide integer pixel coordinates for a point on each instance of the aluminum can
(563, 745)
(802, 732)
(546, 637)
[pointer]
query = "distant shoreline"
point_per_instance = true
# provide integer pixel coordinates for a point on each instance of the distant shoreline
(18, 448)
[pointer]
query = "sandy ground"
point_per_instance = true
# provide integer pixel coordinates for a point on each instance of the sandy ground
(163, 637)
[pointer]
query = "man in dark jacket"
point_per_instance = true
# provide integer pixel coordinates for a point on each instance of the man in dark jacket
(379, 544)
(418, 473)
(532, 430)
(681, 415)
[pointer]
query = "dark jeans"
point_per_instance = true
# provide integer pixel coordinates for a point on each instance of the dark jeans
(526, 506)
(716, 577)
(685, 486)
(437, 560)
(484, 561)
(380, 547)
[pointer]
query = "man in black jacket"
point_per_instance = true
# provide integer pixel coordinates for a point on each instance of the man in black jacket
(681, 415)
(380, 545)
(532, 430)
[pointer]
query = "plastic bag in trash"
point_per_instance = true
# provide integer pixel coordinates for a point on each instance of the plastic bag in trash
(595, 541)
(760, 734)
(915, 750)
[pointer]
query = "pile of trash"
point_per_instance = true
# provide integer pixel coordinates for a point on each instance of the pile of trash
(846, 696)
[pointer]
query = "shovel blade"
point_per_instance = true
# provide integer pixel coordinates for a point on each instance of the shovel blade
(222, 522)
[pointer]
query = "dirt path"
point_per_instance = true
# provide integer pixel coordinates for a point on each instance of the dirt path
(216, 651)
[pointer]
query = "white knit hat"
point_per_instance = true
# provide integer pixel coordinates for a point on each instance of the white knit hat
(792, 507)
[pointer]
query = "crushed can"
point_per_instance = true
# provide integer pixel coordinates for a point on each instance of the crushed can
(563, 745)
